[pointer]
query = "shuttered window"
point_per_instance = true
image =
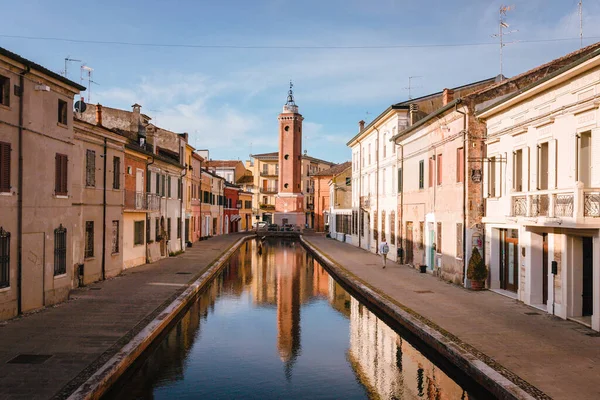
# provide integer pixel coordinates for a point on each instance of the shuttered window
(439, 238)
(169, 186)
(157, 188)
(4, 258)
(4, 91)
(4, 167)
(460, 165)
(60, 250)
(421, 174)
(148, 230)
(168, 228)
(90, 168)
(138, 232)
(116, 172)
(148, 181)
(178, 228)
(89, 239)
(459, 241)
(60, 178)
(439, 169)
(431, 171)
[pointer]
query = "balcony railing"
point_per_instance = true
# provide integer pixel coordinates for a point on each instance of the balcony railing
(266, 206)
(267, 174)
(268, 190)
(591, 204)
(141, 201)
(539, 204)
(519, 206)
(310, 190)
(310, 207)
(563, 205)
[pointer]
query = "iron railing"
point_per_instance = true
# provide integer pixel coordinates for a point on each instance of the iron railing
(269, 174)
(563, 205)
(141, 201)
(591, 204)
(540, 203)
(268, 190)
(519, 206)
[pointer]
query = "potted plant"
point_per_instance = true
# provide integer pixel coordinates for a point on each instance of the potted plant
(477, 271)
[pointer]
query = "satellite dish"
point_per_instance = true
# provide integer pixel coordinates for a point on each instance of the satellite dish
(80, 106)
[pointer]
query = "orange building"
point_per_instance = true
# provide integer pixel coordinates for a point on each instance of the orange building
(321, 185)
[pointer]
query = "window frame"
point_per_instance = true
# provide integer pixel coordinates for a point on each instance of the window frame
(90, 168)
(4, 91)
(460, 165)
(440, 169)
(88, 251)
(4, 258)
(115, 248)
(421, 174)
(63, 110)
(60, 250)
(5, 158)
(138, 233)
(61, 177)
(438, 238)
(116, 173)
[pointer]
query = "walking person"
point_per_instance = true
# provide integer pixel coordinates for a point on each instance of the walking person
(384, 249)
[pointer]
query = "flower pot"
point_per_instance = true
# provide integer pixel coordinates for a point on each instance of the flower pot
(477, 285)
(423, 268)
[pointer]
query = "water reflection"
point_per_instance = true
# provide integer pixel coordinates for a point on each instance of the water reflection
(277, 325)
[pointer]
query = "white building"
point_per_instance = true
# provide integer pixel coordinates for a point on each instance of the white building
(543, 192)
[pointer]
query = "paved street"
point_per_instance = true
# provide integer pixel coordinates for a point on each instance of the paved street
(559, 357)
(97, 321)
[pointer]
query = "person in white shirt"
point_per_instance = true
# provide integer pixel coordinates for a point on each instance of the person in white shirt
(384, 249)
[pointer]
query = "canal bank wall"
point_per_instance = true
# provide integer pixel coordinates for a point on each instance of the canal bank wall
(449, 347)
(108, 374)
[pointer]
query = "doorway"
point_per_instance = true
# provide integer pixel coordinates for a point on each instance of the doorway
(588, 278)
(409, 243)
(509, 260)
(431, 246)
(545, 268)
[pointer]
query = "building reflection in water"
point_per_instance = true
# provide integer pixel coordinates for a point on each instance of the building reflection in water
(286, 277)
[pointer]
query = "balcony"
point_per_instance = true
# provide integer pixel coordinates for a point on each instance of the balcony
(267, 174)
(556, 204)
(141, 201)
(310, 207)
(268, 190)
(267, 207)
(591, 204)
(310, 190)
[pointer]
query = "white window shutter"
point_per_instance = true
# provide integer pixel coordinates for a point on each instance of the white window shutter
(595, 157)
(552, 163)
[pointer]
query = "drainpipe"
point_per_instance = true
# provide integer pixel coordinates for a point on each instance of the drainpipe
(360, 211)
(464, 199)
(402, 196)
(377, 192)
(20, 192)
(147, 197)
(104, 218)
(181, 224)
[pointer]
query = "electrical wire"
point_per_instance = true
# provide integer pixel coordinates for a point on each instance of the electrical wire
(276, 47)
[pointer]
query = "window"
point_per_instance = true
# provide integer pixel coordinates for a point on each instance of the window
(492, 177)
(422, 233)
(348, 181)
(459, 241)
(362, 223)
(4, 258)
(148, 230)
(157, 229)
(169, 186)
(5, 167)
(421, 174)
(149, 182)
(138, 232)
(157, 188)
(168, 228)
(115, 237)
(383, 230)
(399, 180)
(116, 172)
(265, 169)
(584, 157)
(178, 228)
(60, 179)
(4, 91)
(431, 171)
(460, 165)
(439, 238)
(369, 153)
(62, 112)
(384, 145)
(90, 168)
(89, 239)
(163, 180)
(439, 169)
(60, 250)
(543, 169)
(375, 225)
(179, 188)
(518, 170)
(392, 228)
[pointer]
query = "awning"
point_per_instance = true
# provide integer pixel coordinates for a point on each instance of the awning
(235, 217)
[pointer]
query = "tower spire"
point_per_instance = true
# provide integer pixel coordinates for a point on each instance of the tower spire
(290, 104)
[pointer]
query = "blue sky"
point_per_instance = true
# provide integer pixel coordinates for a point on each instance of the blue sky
(228, 99)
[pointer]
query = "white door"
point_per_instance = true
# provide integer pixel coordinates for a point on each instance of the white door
(139, 188)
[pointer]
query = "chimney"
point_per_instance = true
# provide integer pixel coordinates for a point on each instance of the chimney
(136, 118)
(361, 125)
(98, 114)
(414, 113)
(447, 96)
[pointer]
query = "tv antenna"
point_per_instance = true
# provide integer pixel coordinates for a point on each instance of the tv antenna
(580, 23)
(410, 87)
(85, 70)
(502, 25)
(68, 59)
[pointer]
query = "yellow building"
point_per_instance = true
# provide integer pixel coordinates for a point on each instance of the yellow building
(245, 199)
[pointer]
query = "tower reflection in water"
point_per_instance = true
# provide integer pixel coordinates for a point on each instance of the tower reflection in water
(285, 279)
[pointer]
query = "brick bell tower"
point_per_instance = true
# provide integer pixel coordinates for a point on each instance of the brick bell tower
(289, 203)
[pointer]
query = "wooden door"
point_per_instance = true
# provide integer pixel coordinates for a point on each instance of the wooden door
(588, 278)
(32, 292)
(509, 264)
(409, 243)
(545, 268)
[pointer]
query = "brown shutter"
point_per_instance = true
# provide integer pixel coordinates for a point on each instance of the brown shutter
(60, 186)
(57, 165)
(4, 167)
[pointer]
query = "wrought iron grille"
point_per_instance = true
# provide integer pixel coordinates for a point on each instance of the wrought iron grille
(519, 206)
(540, 204)
(115, 237)
(591, 204)
(4, 258)
(89, 239)
(563, 205)
(60, 250)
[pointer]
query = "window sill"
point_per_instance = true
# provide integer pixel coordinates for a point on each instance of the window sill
(5, 289)
(115, 254)
(4, 106)
(65, 126)
(61, 196)
(60, 276)
(138, 245)
(6, 194)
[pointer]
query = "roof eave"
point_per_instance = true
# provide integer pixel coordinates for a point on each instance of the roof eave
(425, 120)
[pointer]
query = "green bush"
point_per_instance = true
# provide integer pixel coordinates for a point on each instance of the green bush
(476, 271)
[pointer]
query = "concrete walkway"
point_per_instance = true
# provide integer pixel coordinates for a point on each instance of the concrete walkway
(81, 334)
(560, 358)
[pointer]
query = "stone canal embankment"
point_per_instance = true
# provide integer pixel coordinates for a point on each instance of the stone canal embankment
(510, 349)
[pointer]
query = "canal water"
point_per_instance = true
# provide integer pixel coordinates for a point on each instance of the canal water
(276, 325)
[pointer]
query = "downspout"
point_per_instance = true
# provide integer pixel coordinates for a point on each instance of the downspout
(377, 193)
(104, 218)
(401, 196)
(360, 211)
(464, 199)
(181, 224)
(147, 197)
(20, 192)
